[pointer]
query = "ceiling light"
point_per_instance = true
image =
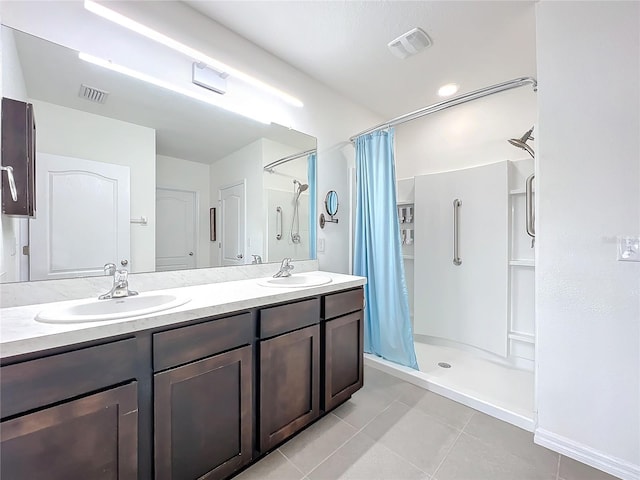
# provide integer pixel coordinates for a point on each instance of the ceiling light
(143, 30)
(409, 43)
(448, 89)
(213, 100)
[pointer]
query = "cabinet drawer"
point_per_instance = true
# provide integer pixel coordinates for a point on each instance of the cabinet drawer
(342, 303)
(36, 383)
(285, 318)
(186, 344)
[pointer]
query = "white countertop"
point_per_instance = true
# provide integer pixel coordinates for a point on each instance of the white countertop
(20, 333)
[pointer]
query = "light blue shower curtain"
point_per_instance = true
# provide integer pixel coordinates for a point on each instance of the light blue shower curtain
(377, 252)
(311, 179)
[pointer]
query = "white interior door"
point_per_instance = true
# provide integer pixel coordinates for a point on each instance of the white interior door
(465, 303)
(232, 224)
(176, 229)
(82, 218)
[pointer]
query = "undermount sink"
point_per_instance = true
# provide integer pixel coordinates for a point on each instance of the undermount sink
(114, 308)
(296, 280)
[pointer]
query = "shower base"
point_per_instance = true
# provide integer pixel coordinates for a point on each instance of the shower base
(503, 392)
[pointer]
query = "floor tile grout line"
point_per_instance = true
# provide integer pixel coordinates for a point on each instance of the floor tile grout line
(438, 419)
(453, 444)
(357, 432)
(335, 450)
(292, 464)
(558, 467)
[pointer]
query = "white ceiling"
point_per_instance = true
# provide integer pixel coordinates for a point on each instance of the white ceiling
(343, 44)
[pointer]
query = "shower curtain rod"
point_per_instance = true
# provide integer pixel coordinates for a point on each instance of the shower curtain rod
(436, 107)
(269, 168)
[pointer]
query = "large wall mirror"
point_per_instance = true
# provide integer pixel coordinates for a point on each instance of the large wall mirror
(137, 175)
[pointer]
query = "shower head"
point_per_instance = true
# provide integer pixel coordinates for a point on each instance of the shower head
(522, 142)
(301, 186)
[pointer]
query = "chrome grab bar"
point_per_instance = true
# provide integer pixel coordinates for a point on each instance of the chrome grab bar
(278, 223)
(456, 254)
(529, 207)
(12, 182)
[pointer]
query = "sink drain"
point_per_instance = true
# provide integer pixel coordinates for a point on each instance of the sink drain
(444, 365)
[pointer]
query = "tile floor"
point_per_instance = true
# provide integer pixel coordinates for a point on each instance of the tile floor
(393, 430)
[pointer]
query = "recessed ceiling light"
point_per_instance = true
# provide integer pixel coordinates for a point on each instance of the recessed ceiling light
(448, 89)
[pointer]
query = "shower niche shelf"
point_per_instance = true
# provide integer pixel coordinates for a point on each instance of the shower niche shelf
(406, 215)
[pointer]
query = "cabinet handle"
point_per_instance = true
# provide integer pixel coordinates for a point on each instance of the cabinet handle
(456, 254)
(12, 182)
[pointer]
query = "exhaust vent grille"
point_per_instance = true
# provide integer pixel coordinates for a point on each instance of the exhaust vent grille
(93, 94)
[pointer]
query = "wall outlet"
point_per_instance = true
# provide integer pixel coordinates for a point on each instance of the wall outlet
(629, 249)
(320, 245)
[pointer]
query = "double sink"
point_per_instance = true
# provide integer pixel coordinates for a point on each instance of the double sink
(144, 304)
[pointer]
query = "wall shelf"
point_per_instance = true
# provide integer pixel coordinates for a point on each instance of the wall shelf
(523, 337)
(522, 263)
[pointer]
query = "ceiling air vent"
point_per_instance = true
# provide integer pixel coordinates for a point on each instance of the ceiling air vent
(93, 94)
(409, 43)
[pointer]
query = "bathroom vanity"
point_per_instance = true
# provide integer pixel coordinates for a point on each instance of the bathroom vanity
(199, 391)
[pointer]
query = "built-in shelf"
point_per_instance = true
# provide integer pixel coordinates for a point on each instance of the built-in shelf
(522, 337)
(408, 257)
(522, 263)
(519, 191)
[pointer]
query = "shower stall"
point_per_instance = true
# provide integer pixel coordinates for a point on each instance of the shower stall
(469, 266)
(467, 243)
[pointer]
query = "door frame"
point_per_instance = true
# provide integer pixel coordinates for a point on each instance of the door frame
(196, 216)
(242, 182)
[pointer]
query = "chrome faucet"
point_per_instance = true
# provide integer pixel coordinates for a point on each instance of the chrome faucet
(285, 268)
(120, 286)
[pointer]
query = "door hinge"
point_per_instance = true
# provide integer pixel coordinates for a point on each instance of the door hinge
(25, 250)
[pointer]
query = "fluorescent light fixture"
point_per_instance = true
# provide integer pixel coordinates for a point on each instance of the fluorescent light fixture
(134, 26)
(213, 99)
(448, 89)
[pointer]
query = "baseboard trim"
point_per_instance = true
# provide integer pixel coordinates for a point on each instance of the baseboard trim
(569, 448)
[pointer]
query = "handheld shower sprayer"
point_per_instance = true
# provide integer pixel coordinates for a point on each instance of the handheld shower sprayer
(295, 220)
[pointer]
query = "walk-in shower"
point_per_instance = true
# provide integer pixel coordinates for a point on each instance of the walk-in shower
(294, 231)
(473, 320)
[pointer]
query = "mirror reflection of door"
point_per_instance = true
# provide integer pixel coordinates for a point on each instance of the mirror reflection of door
(232, 224)
(82, 218)
(176, 229)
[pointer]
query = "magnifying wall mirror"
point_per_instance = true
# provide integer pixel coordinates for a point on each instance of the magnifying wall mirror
(331, 206)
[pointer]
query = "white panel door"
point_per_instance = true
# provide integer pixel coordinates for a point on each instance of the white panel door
(233, 224)
(176, 229)
(465, 303)
(82, 218)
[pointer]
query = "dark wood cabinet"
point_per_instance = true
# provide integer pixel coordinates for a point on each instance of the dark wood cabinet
(90, 437)
(19, 153)
(199, 400)
(289, 384)
(343, 347)
(203, 417)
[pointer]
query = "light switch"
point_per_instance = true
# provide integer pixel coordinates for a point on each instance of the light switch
(629, 249)
(320, 245)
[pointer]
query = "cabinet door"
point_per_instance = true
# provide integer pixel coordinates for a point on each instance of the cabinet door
(343, 358)
(289, 384)
(18, 151)
(93, 437)
(203, 417)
